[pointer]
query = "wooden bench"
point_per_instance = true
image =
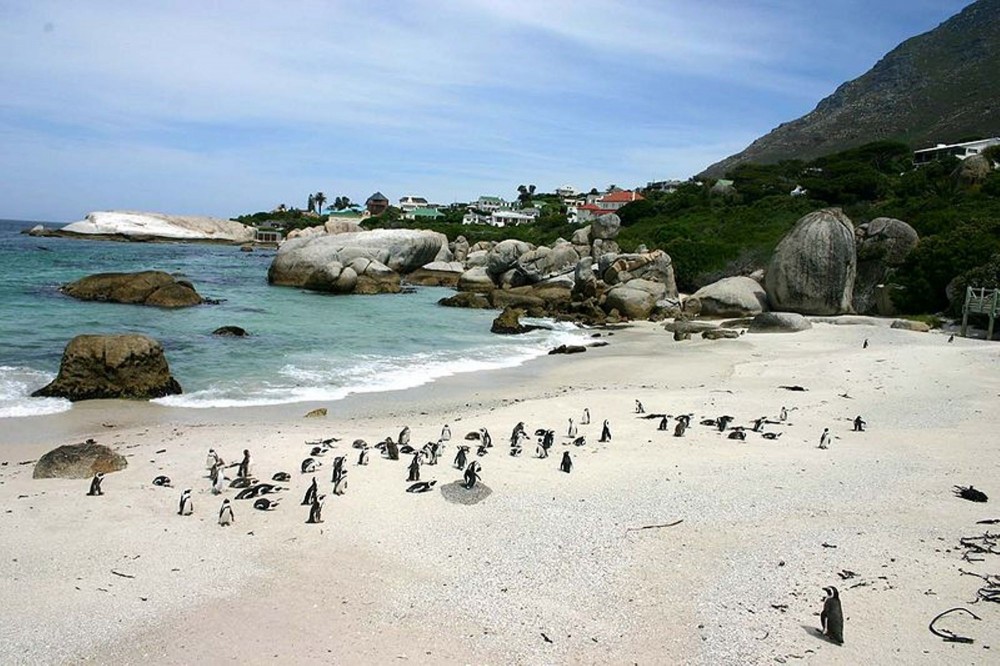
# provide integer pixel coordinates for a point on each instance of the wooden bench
(981, 301)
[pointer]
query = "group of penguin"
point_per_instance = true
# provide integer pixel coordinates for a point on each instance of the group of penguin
(831, 617)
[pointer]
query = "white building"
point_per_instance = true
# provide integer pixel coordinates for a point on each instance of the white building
(567, 191)
(490, 204)
(410, 203)
(510, 218)
(959, 150)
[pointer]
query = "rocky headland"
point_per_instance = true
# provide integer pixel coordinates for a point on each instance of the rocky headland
(145, 227)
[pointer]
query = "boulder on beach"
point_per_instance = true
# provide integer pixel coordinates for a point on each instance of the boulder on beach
(605, 227)
(133, 225)
(655, 266)
(437, 274)
(78, 461)
(882, 246)
(317, 413)
(569, 349)
(814, 266)
(476, 279)
(779, 322)
(504, 255)
(508, 322)
(130, 367)
(635, 299)
(731, 297)
(720, 334)
(154, 288)
(909, 325)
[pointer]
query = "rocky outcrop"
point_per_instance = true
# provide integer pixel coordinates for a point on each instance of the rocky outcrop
(437, 274)
(973, 170)
(814, 267)
(231, 331)
(882, 246)
(655, 266)
(635, 299)
(154, 288)
(503, 257)
(128, 225)
(476, 279)
(467, 299)
(720, 334)
(543, 262)
(779, 322)
(908, 325)
(731, 297)
(131, 367)
(364, 262)
(567, 349)
(508, 322)
(605, 227)
(78, 461)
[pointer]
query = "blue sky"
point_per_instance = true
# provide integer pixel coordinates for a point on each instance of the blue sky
(225, 107)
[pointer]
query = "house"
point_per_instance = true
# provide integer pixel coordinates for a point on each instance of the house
(377, 203)
(667, 186)
(423, 213)
(268, 231)
(509, 218)
(585, 213)
(410, 203)
(959, 150)
(567, 191)
(618, 198)
(472, 217)
(490, 204)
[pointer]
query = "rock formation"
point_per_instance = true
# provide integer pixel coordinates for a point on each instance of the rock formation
(814, 266)
(78, 461)
(508, 322)
(128, 225)
(131, 367)
(154, 288)
(731, 297)
(882, 246)
(779, 322)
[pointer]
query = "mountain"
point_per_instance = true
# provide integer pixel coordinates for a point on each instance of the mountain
(940, 87)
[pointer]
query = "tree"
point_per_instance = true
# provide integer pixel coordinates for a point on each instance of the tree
(311, 205)
(320, 199)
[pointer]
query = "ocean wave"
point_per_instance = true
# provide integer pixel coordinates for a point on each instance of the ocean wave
(16, 386)
(320, 378)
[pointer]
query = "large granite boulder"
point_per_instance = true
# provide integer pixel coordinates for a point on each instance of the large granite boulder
(720, 334)
(317, 262)
(779, 322)
(157, 226)
(909, 325)
(635, 299)
(460, 248)
(731, 297)
(581, 236)
(154, 288)
(508, 322)
(437, 274)
(605, 227)
(78, 461)
(504, 255)
(131, 367)
(814, 267)
(655, 266)
(335, 226)
(882, 246)
(973, 170)
(466, 299)
(543, 262)
(476, 279)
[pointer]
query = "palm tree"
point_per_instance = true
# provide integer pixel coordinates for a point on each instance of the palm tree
(320, 199)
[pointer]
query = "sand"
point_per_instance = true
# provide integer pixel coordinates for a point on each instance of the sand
(549, 567)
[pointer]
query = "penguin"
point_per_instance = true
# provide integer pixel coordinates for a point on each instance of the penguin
(758, 424)
(404, 436)
(95, 484)
(664, 423)
(639, 409)
(461, 456)
(472, 474)
(363, 455)
(771, 435)
(359, 444)
(264, 504)
(318, 451)
(316, 510)
(421, 487)
(519, 428)
(567, 463)
(485, 438)
(824, 439)
(680, 427)
(282, 477)
(311, 493)
(162, 481)
(723, 422)
(242, 482)
(685, 419)
(391, 449)
(219, 482)
(580, 441)
(244, 469)
(226, 516)
(737, 433)
(482, 450)
(309, 466)
(832, 617)
(414, 469)
(340, 485)
(951, 338)
(338, 469)
(445, 433)
(605, 432)
(406, 449)
(571, 432)
(185, 507)
(784, 413)
(865, 345)
(585, 419)
(859, 424)
(212, 459)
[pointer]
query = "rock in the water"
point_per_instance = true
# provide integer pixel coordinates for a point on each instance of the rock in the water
(508, 322)
(635, 299)
(569, 349)
(318, 413)
(437, 274)
(466, 299)
(476, 279)
(814, 267)
(154, 288)
(779, 322)
(882, 246)
(78, 461)
(316, 262)
(605, 227)
(908, 325)
(131, 367)
(720, 334)
(731, 297)
(153, 226)
(231, 331)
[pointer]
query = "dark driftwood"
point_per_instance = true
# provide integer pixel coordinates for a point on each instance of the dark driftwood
(654, 527)
(949, 636)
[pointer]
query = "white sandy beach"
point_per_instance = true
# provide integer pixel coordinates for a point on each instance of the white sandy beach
(548, 569)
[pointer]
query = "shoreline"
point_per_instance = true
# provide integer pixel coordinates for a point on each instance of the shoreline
(392, 575)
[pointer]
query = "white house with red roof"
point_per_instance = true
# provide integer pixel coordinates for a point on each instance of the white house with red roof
(609, 203)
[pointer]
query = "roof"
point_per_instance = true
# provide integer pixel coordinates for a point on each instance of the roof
(595, 209)
(492, 199)
(378, 196)
(622, 196)
(413, 199)
(426, 212)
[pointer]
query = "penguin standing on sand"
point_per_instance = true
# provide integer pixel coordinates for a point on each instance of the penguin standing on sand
(485, 439)
(859, 424)
(226, 517)
(95, 485)
(472, 474)
(212, 459)
(784, 413)
(516, 432)
(682, 425)
(404, 436)
(339, 475)
(832, 617)
(185, 507)
(567, 463)
(865, 345)
(218, 479)
(571, 432)
(664, 423)
(824, 439)
(605, 432)
(639, 409)
(445, 433)
(414, 469)
(951, 338)
(311, 492)
(316, 510)
(243, 470)
(758, 424)
(585, 419)
(363, 455)
(460, 457)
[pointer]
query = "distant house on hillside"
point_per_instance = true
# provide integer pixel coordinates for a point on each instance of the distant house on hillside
(377, 203)
(668, 186)
(959, 150)
(411, 203)
(510, 218)
(490, 204)
(567, 191)
(615, 200)
(422, 213)
(269, 231)
(597, 206)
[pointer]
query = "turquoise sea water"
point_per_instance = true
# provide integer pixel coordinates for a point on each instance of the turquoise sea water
(303, 346)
